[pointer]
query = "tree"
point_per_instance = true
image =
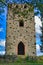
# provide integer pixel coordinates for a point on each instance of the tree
(41, 46)
(40, 6)
(2, 5)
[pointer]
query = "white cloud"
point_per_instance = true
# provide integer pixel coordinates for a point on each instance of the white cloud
(2, 52)
(38, 31)
(1, 29)
(2, 42)
(38, 52)
(38, 24)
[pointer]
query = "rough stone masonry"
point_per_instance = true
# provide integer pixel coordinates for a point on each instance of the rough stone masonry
(20, 39)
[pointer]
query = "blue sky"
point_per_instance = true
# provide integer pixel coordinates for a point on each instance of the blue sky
(3, 31)
(3, 25)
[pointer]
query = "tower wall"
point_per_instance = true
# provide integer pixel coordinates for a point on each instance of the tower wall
(17, 33)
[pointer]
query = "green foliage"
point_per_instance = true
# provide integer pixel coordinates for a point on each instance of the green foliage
(40, 6)
(31, 59)
(17, 10)
(10, 60)
(41, 46)
(3, 2)
(2, 5)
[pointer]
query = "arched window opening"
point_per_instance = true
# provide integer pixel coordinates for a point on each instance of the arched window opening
(21, 49)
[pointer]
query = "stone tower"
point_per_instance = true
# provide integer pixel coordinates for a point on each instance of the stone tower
(20, 30)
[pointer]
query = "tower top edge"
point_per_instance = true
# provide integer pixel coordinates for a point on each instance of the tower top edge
(17, 6)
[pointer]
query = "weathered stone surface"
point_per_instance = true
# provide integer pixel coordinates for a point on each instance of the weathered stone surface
(15, 33)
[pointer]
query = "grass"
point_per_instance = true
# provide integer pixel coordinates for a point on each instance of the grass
(20, 61)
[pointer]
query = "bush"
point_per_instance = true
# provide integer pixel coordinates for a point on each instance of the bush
(31, 59)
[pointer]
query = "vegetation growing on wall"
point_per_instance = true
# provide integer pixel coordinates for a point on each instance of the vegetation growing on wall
(16, 9)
